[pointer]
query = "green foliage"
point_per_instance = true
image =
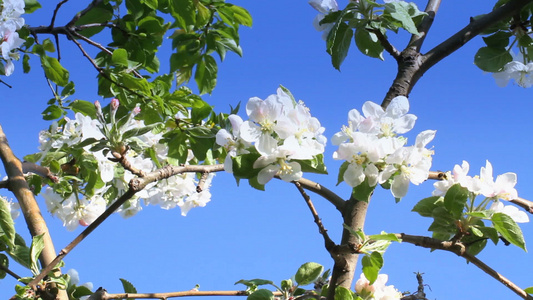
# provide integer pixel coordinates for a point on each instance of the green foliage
(7, 226)
(261, 294)
(509, 230)
(455, 200)
(308, 273)
(491, 59)
(371, 265)
(128, 286)
(342, 293)
(37, 246)
(363, 191)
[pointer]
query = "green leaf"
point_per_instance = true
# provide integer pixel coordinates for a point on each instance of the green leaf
(85, 107)
(254, 282)
(120, 57)
(498, 40)
(4, 262)
(529, 290)
(31, 6)
(509, 230)
(54, 70)
(261, 294)
(138, 131)
(308, 273)
(491, 59)
(37, 246)
(426, 206)
(243, 165)
(241, 15)
(206, 74)
(455, 200)
(128, 286)
(101, 13)
(52, 112)
(363, 191)
(371, 265)
(6, 223)
(26, 63)
(342, 293)
(399, 11)
(134, 83)
(384, 237)
(342, 170)
(153, 4)
(48, 45)
(315, 165)
(368, 43)
(184, 12)
(203, 16)
(338, 42)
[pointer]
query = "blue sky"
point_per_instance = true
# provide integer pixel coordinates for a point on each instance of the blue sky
(244, 233)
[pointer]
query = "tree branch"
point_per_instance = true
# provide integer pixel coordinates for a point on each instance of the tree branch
(328, 242)
(135, 185)
(177, 294)
(386, 44)
(327, 194)
(418, 39)
(460, 249)
(470, 31)
(28, 204)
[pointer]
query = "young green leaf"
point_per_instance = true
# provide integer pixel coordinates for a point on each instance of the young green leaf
(261, 294)
(6, 223)
(338, 43)
(368, 43)
(37, 246)
(308, 273)
(54, 70)
(128, 286)
(371, 265)
(426, 206)
(509, 230)
(342, 293)
(455, 200)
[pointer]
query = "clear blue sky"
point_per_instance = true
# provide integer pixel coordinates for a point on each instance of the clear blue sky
(244, 233)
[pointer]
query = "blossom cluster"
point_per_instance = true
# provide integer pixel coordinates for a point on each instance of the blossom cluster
(374, 152)
(503, 188)
(518, 70)
(378, 290)
(281, 130)
(10, 22)
(79, 206)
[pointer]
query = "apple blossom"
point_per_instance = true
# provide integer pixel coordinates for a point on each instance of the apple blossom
(521, 73)
(323, 7)
(519, 216)
(378, 290)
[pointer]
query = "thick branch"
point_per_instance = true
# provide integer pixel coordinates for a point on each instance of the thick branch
(469, 32)
(28, 204)
(460, 249)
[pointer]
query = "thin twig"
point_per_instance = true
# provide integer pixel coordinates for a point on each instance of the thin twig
(326, 193)
(460, 249)
(386, 44)
(54, 15)
(135, 185)
(124, 162)
(83, 12)
(201, 182)
(8, 271)
(328, 242)
(99, 69)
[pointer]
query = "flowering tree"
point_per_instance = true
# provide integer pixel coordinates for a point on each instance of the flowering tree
(158, 143)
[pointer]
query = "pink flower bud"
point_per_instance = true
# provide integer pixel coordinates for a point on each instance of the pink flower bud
(97, 105)
(114, 104)
(136, 110)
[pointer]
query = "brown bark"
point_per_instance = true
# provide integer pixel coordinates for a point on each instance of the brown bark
(27, 202)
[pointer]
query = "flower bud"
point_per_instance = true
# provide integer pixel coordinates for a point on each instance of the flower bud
(114, 104)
